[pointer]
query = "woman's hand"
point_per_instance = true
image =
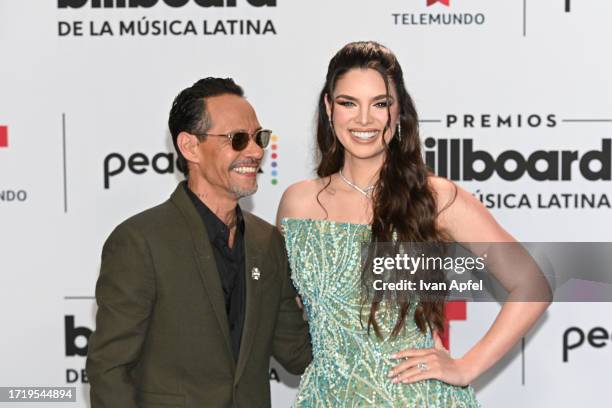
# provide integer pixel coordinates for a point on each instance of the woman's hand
(424, 364)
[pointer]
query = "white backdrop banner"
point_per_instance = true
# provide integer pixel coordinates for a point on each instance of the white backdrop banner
(515, 100)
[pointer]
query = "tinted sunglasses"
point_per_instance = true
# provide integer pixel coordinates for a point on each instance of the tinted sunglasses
(240, 138)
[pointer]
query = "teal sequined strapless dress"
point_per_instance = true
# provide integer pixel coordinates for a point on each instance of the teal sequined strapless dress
(350, 367)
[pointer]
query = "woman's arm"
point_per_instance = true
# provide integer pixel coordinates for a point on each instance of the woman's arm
(468, 222)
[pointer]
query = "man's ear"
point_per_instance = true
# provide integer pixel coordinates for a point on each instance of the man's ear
(188, 146)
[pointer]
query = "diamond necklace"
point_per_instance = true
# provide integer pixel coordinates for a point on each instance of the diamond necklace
(363, 191)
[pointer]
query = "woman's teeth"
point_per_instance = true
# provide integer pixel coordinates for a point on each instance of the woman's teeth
(364, 135)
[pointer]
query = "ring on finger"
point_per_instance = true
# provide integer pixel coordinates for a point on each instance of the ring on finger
(422, 366)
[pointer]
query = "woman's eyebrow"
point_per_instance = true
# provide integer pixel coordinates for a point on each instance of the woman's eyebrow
(352, 98)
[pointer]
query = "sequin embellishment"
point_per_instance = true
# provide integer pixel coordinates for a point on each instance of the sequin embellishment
(349, 367)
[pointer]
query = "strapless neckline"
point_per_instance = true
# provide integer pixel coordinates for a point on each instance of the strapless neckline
(286, 220)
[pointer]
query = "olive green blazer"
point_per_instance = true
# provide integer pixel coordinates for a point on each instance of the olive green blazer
(162, 336)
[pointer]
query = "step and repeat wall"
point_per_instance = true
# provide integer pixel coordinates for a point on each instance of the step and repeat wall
(515, 101)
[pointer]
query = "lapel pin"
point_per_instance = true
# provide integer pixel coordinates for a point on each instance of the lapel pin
(255, 274)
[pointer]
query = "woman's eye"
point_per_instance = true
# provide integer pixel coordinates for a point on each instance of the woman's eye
(346, 103)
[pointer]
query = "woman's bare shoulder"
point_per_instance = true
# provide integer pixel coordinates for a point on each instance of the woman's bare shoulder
(463, 216)
(445, 191)
(300, 200)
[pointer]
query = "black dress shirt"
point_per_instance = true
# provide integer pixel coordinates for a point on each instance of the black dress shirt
(230, 265)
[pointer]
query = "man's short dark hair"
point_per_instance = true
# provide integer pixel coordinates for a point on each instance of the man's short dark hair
(188, 113)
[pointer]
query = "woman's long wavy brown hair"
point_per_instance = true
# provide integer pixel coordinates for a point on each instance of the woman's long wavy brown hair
(403, 202)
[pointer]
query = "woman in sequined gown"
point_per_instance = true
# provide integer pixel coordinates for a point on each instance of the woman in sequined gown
(373, 351)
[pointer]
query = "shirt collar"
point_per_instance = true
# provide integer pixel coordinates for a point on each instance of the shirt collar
(214, 226)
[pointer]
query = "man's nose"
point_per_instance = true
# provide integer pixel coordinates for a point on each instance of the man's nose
(253, 150)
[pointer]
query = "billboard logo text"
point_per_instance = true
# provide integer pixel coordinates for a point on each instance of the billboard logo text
(150, 3)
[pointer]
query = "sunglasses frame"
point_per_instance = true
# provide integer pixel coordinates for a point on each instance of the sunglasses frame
(230, 136)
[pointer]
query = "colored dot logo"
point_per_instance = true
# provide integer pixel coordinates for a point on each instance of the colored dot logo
(3, 136)
(274, 157)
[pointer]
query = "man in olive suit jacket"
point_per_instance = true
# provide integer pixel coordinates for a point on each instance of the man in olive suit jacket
(194, 295)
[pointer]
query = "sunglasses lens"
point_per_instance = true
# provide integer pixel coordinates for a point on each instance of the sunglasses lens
(262, 138)
(240, 140)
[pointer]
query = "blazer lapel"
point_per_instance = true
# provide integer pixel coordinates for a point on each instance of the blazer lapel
(252, 246)
(205, 260)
